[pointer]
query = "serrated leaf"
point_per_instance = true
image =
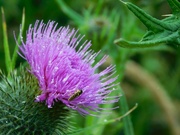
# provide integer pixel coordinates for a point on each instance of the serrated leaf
(155, 41)
(164, 31)
(150, 22)
(175, 6)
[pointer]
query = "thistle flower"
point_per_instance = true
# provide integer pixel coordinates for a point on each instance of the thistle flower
(66, 70)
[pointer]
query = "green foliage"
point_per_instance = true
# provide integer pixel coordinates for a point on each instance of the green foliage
(20, 114)
(10, 62)
(102, 22)
(159, 31)
(5, 43)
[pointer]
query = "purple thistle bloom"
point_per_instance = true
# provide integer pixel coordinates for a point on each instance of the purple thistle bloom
(64, 68)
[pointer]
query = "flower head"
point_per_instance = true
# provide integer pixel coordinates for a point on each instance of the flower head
(66, 70)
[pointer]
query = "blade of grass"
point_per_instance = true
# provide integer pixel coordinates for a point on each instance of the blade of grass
(5, 44)
(98, 6)
(15, 54)
(128, 127)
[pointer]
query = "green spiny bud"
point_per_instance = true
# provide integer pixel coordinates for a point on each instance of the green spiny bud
(19, 114)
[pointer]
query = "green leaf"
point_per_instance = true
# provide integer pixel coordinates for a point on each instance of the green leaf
(175, 6)
(128, 127)
(15, 54)
(150, 22)
(6, 45)
(157, 40)
(166, 31)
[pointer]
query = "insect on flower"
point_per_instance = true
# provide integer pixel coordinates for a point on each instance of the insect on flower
(75, 95)
(62, 64)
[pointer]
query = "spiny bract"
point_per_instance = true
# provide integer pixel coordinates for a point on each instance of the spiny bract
(20, 115)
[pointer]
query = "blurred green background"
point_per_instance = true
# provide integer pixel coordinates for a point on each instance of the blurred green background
(102, 22)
